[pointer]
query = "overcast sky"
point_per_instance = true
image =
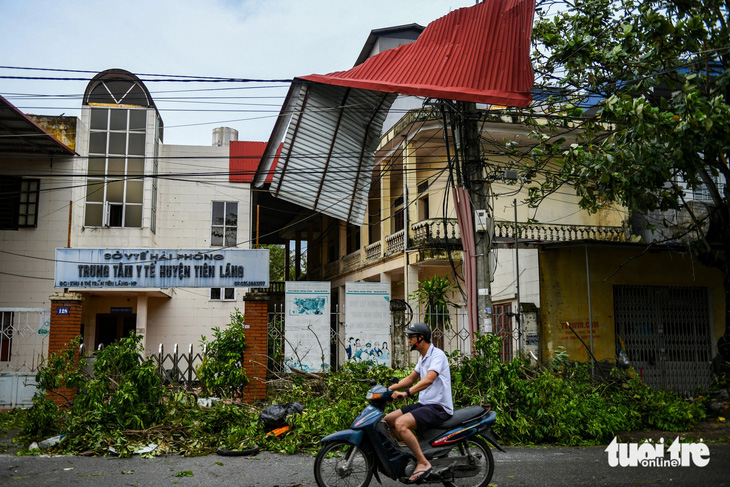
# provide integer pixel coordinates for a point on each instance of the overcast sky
(261, 39)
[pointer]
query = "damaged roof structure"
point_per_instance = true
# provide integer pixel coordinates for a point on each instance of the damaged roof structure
(331, 124)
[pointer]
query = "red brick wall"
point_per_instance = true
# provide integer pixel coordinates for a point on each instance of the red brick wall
(256, 323)
(64, 328)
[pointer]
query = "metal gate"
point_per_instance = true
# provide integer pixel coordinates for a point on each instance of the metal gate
(503, 329)
(666, 331)
(23, 347)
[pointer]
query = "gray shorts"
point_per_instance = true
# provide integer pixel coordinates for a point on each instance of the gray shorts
(426, 415)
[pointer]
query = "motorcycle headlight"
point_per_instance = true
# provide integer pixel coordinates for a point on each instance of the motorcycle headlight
(373, 395)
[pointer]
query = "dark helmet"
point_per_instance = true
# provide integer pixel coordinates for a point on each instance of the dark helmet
(420, 329)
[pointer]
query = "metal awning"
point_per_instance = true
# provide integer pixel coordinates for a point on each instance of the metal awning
(19, 135)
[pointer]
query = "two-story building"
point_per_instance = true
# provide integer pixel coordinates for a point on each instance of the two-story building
(106, 180)
(560, 277)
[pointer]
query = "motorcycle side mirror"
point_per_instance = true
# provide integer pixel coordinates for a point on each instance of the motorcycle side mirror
(393, 380)
(373, 382)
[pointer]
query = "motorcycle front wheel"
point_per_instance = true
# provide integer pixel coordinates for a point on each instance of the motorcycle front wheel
(476, 472)
(340, 464)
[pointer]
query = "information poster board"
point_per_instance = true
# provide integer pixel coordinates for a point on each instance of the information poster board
(367, 322)
(307, 325)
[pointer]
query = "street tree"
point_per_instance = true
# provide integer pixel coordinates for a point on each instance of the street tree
(656, 74)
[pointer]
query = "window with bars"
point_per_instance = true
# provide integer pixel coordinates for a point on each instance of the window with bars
(18, 202)
(115, 184)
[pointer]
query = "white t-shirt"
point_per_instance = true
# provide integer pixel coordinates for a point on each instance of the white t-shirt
(439, 392)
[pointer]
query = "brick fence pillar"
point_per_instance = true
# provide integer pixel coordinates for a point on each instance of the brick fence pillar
(65, 326)
(256, 311)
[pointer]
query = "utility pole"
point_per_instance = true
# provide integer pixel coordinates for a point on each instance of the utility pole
(477, 185)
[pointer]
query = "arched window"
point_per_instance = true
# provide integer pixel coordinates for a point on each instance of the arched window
(121, 123)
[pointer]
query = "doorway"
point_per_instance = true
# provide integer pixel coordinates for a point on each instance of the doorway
(503, 329)
(112, 327)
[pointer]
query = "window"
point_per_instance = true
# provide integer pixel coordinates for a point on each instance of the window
(374, 217)
(333, 243)
(224, 233)
(224, 227)
(18, 202)
(353, 238)
(115, 186)
(398, 221)
(423, 203)
(222, 294)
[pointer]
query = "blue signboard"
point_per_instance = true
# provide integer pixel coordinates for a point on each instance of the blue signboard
(161, 268)
(62, 310)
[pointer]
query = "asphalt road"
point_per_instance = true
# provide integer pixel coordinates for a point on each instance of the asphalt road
(520, 466)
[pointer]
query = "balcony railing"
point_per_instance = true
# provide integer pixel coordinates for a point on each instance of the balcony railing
(373, 252)
(352, 261)
(559, 233)
(394, 243)
(438, 231)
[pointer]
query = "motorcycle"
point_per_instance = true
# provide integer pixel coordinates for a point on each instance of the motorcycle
(457, 449)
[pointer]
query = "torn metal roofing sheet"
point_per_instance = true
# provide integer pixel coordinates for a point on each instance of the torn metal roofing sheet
(479, 54)
(329, 148)
(331, 124)
(20, 135)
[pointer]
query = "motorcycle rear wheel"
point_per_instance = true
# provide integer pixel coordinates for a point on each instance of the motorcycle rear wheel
(340, 464)
(482, 455)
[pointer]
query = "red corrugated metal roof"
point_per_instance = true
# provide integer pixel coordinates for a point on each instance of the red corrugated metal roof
(244, 158)
(479, 54)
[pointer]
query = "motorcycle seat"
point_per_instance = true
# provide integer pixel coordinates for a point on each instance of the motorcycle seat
(463, 415)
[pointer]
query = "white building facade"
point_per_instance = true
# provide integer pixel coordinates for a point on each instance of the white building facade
(122, 188)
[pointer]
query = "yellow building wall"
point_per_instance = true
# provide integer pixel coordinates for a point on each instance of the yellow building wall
(564, 292)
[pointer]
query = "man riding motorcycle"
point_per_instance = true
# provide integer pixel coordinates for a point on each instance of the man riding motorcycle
(434, 396)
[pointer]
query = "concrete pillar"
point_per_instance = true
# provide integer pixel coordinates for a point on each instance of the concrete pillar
(141, 326)
(256, 308)
(298, 256)
(412, 281)
(65, 326)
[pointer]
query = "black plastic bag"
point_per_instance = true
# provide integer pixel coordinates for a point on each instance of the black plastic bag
(275, 415)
